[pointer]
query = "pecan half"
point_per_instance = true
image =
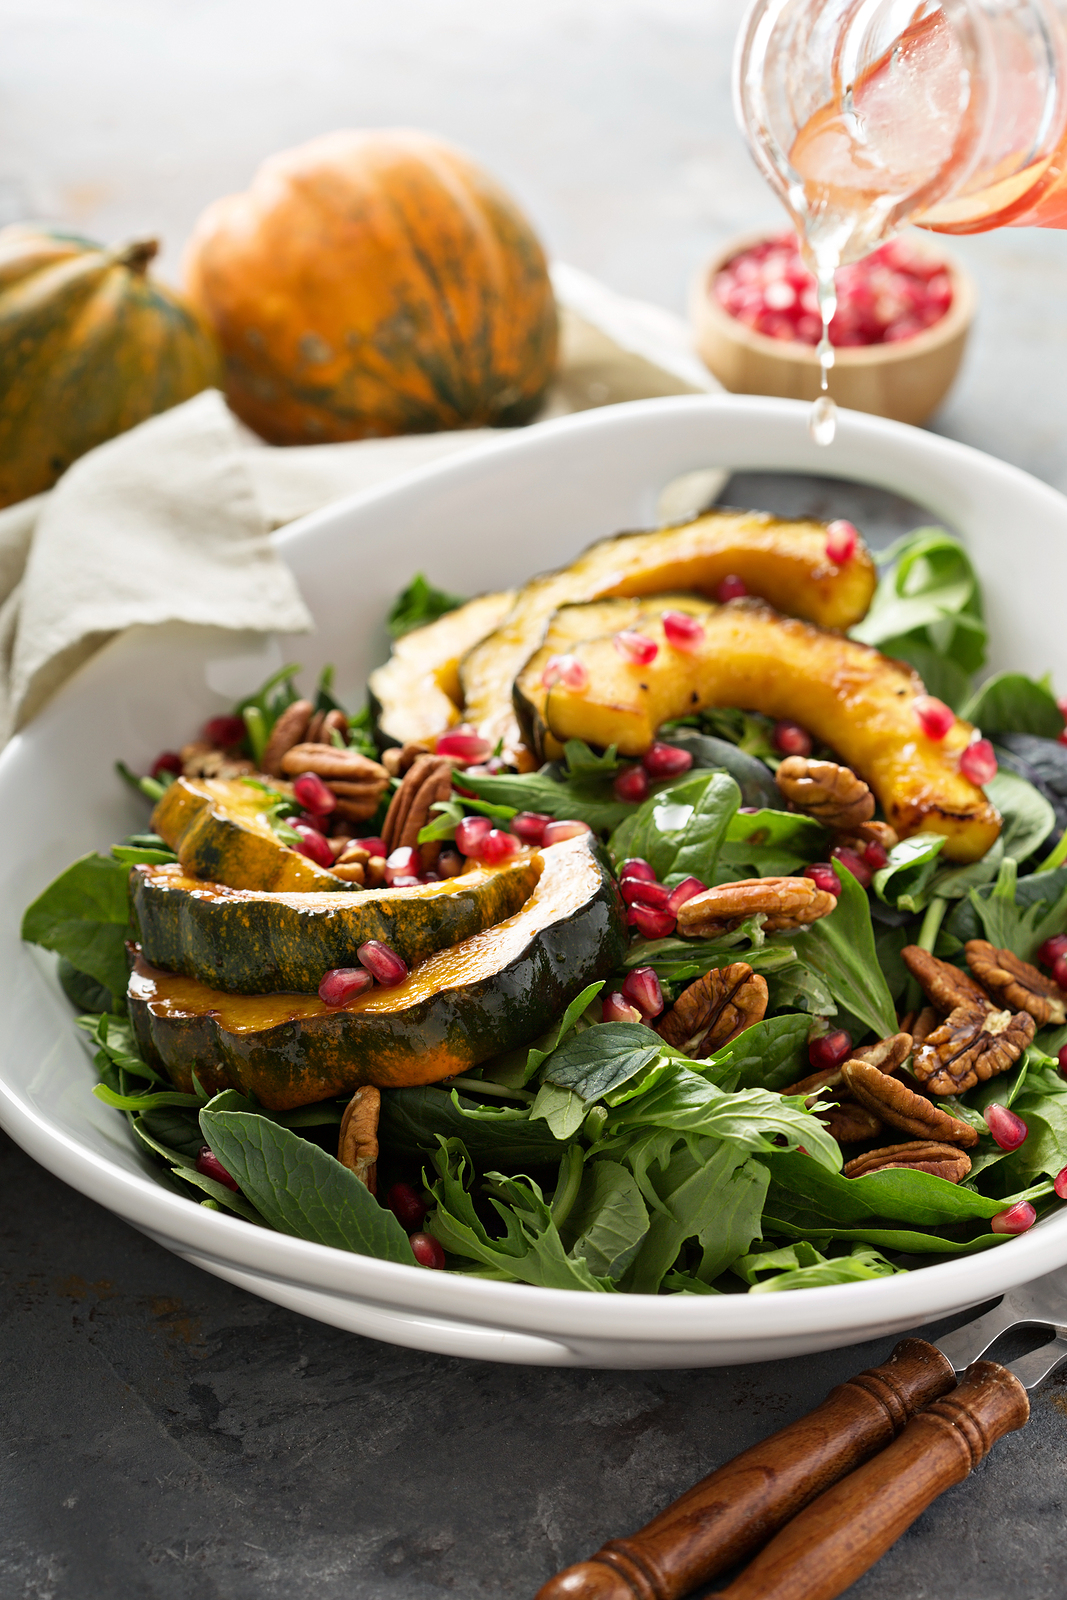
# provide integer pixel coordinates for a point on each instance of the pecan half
(290, 729)
(833, 795)
(357, 1143)
(786, 903)
(887, 1054)
(973, 1043)
(357, 782)
(202, 760)
(1015, 983)
(399, 758)
(427, 780)
(901, 1108)
(923, 1155)
(323, 725)
(846, 1120)
(714, 1010)
(944, 985)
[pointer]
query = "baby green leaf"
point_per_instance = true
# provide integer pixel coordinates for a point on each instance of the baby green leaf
(841, 949)
(594, 1062)
(680, 831)
(84, 915)
(608, 1220)
(420, 603)
(1010, 702)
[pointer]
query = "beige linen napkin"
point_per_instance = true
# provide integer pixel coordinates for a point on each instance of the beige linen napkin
(172, 521)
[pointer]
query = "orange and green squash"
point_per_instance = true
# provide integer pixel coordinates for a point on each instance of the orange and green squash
(493, 992)
(783, 562)
(852, 698)
(416, 694)
(89, 346)
(219, 829)
(372, 283)
(251, 942)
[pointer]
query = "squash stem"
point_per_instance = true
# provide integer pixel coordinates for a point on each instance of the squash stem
(931, 927)
(480, 1086)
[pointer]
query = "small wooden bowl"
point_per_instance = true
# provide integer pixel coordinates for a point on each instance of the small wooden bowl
(906, 381)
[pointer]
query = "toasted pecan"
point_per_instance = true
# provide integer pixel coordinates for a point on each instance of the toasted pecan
(203, 760)
(974, 1043)
(714, 1010)
(887, 1054)
(900, 1107)
(944, 985)
(427, 780)
(357, 782)
(1016, 984)
(290, 729)
(922, 1155)
(398, 758)
(832, 794)
(357, 1143)
(785, 902)
(323, 726)
(850, 1123)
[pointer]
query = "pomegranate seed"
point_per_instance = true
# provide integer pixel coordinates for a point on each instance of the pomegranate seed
(313, 844)
(342, 984)
(649, 923)
(681, 630)
(823, 877)
(978, 762)
(1061, 738)
(407, 1205)
(224, 732)
(935, 717)
(1016, 1219)
(641, 891)
(636, 648)
(876, 856)
(167, 761)
(1059, 971)
(635, 867)
(428, 1251)
(530, 826)
(498, 846)
(642, 990)
(310, 791)
(403, 863)
(1007, 1129)
(830, 1050)
(616, 1008)
(731, 588)
(1060, 1184)
(665, 761)
(841, 542)
(373, 847)
(209, 1164)
(471, 834)
(449, 864)
(631, 784)
(855, 864)
(686, 890)
(385, 964)
(1052, 949)
(567, 670)
(791, 739)
(565, 828)
(464, 747)
(1061, 1057)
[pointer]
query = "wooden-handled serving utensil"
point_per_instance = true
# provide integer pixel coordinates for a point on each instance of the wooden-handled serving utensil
(835, 1489)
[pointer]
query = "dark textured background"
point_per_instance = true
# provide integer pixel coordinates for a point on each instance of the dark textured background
(163, 1434)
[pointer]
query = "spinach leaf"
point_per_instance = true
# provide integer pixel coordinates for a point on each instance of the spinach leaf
(795, 988)
(420, 603)
(897, 1193)
(911, 866)
(1026, 912)
(770, 844)
(84, 915)
(561, 1108)
(301, 1190)
(589, 799)
(708, 1190)
(841, 949)
(1028, 816)
(413, 1121)
(583, 762)
(608, 1220)
(178, 1130)
(83, 992)
(680, 831)
(908, 1241)
(928, 603)
(769, 1055)
(592, 1063)
(751, 775)
(1010, 702)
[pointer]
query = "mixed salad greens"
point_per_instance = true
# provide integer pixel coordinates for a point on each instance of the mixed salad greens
(600, 1158)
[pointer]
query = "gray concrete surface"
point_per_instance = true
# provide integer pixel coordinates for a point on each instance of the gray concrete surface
(167, 1436)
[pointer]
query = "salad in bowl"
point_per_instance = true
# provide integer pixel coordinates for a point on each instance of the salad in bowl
(690, 920)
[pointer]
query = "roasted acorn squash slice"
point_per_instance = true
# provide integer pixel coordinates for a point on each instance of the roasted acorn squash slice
(491, 993)
(219, 830)
(848, 695)
(416, 694)
(568, 627)
(251, 942)
(783, 562)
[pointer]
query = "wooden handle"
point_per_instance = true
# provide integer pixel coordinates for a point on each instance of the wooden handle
(828, 1546)
(737, 1508)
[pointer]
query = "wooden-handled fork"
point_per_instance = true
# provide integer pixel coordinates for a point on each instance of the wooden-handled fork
(835, 1489)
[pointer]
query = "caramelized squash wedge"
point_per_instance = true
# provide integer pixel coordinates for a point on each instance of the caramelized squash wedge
(491, 993)
(416, 694)
(568, 627)
(848, 695)
(247, 941)
(219, 830)
(783, 562)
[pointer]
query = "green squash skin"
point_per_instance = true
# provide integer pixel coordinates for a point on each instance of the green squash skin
(308, 1058)
(247, 942)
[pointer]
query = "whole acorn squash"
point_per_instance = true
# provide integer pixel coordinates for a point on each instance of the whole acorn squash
(90, 345)
(374, 283)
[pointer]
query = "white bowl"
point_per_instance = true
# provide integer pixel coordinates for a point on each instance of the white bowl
(480, 521)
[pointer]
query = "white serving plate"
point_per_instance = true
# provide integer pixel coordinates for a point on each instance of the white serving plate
(480, 521)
